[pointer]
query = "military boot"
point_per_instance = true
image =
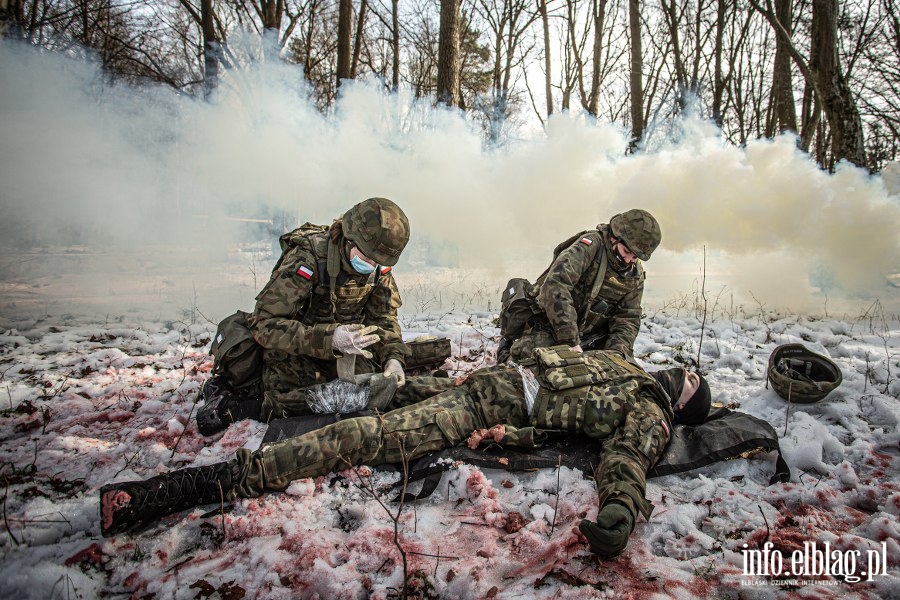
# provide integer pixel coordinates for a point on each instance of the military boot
(224, 405)
(132, 505)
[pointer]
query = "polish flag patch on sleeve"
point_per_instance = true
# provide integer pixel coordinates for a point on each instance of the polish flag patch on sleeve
(305, 272)
(586, 241)
(665, 428)
(385, 270)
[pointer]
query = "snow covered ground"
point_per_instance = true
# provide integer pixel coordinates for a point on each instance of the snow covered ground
(87, 401)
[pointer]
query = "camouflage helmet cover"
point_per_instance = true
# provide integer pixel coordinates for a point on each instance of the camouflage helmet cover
(800, 375)
(639, 230)
(379, 228)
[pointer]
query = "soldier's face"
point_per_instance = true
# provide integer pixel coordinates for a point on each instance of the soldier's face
(624, 253)
(691, 385)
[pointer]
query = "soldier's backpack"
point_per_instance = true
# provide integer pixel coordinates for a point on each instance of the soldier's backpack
(517, 306)
(237, 357)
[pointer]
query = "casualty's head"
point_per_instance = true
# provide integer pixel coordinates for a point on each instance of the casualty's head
(635, 235)
(378, 228)
(689, 391)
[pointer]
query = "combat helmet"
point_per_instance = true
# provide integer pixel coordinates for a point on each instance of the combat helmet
(639, 230)
(379, 228)
(800, 375)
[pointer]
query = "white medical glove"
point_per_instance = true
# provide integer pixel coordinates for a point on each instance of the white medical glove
(354, 338)
(393, 367)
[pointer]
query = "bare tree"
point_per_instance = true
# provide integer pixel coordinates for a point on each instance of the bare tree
(344, 42)
(211, 48)
(507, 25)
(782, 111)
(592, 101)
(636, 77)
(358, 38)
(12, 17)
(822, 71)
(548, 78)
(448, 54)
(395, 45)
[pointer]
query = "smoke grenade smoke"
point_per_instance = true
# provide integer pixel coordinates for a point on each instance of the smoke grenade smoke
(163, 186)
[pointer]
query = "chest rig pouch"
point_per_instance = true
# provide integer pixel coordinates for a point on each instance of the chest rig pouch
(588, 393)
(337, 297)
(606, 292)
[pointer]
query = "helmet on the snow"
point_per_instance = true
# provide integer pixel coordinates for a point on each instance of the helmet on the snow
(800, 375)
(379, 228)
(638, 230)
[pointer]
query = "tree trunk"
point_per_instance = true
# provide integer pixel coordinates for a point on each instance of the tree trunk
(548, 90)
(718, 76)
(211, 49)
(837, 99)
(783, 111)
(395, 45)
(674, 20)
(637, 77)
(599, 12)
(358, 39)
(345, 30)
(448, 54)
(12, 17)
(271, 12)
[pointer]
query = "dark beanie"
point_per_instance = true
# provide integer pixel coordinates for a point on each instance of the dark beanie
(697, 408)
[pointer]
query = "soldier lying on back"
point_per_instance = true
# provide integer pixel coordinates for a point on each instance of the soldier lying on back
(598, 394)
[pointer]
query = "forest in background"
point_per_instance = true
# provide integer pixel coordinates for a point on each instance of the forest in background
(827, 70)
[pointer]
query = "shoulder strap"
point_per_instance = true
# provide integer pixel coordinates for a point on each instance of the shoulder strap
(333, 267)
(601, 273)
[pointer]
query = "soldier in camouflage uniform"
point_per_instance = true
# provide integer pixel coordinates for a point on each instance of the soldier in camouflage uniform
(331, 294)
(599, 394)
(576, 308)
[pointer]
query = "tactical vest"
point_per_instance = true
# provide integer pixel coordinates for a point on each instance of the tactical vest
(589, 393)
(337, 296)
(597, 294)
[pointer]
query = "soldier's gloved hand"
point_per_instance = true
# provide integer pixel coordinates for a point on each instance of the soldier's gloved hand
(354, 338)
(393, 367)
(609, 535)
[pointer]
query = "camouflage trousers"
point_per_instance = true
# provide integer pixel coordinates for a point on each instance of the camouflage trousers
(487, 398)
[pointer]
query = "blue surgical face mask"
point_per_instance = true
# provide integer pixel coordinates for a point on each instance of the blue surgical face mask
(361, 266)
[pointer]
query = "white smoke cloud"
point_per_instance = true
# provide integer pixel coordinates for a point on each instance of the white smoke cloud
(150, 178)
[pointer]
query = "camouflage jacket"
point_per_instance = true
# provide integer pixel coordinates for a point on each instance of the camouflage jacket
(294, 312)
(591, 392)
(564, 294)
